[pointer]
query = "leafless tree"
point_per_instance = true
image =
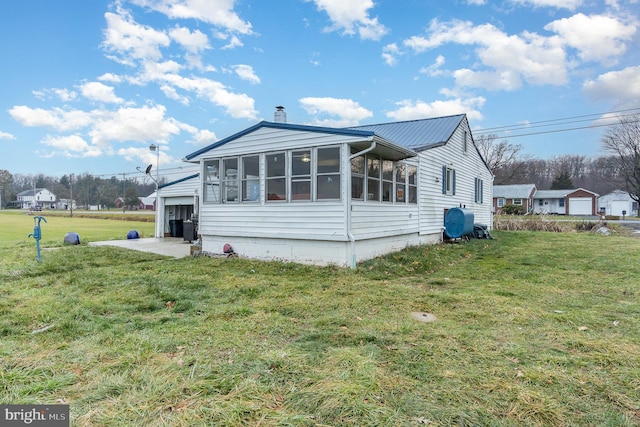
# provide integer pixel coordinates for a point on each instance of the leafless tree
(622, 141)
(505, 160)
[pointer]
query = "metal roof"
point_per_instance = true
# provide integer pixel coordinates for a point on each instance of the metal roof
(514, 191)
(416, 135)
(336, 131)
(413, 135)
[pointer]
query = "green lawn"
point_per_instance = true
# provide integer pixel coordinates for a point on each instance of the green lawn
(15, 226)
(532, 328)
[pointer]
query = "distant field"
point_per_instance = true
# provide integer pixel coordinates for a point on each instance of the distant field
(16, 225)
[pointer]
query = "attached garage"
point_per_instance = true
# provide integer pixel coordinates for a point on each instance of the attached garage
(580, 206)
(177, 205)
(565, 202)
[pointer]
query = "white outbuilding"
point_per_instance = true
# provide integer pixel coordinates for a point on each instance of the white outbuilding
(618, 203)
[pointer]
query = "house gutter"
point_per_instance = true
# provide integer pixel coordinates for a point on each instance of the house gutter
(352, 239)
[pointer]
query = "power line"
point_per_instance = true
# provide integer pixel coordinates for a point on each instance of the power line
(558, 122)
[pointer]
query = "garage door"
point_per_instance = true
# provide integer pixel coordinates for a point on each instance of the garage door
(178, 201)
(617, 206)
(580, 206)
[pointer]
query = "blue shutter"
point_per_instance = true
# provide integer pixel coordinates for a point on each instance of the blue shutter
(444, 180)
(475, 190)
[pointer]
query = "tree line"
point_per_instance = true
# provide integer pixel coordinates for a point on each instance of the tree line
(86, 189)
(618, 169)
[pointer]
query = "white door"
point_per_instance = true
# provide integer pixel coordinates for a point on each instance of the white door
(580, 206)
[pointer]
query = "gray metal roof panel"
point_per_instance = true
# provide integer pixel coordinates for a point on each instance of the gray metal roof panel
(416, 135)
(514, 191)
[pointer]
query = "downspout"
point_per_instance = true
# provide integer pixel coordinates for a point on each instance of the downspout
(352, 239)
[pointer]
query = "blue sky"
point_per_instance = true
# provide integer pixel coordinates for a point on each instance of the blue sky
(86, 86)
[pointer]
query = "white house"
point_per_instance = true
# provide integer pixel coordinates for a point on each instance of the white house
(41, 197)
(565, 202)
(617, 202)
(278, 191)
(177, 202)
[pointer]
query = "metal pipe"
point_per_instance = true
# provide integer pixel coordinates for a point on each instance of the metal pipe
(352, 238)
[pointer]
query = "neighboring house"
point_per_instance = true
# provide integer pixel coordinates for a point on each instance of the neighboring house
(147, 203)
(278, 191)
(519, 195)
(66, 204)
(177, 201)
(566, 202)
(39, 197)
(617, 202)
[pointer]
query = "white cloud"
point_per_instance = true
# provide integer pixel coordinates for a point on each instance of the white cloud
(6, 135)
(239, 106)
(132, 41)
(219, 12)
(234, 42)
(390, 54)
(194, 42)
(204, 137)
(528, 56)
(434, 70)
(559, 4)
(412, 110)
(71, 146)
(64, 95)
(97, 91)
(349, 112)
(596, 37)
(171, 93)
(144, 156)
(622, 87)
(352, 17)
(55, 118)
(110, 77)
(245, 72)
(146, 123)
(476, 2)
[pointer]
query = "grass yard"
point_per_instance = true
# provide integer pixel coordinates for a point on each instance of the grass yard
(532, 328)
(16, 225)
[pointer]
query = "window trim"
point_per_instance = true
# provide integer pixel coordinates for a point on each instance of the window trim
(448, 180)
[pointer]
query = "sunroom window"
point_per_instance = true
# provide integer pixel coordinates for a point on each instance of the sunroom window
(373, 179)
(357, 178)
(387, 181)
(401, 171)
(412, 175)
(251, 179)
(276, 176)
(301, 175)
(212, 181)
(230, 180)
(328, 173)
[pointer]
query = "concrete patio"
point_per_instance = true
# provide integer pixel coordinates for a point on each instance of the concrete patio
(169, 246)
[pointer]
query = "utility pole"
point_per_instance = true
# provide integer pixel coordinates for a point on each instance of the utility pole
(124, 193)
(71, 194)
